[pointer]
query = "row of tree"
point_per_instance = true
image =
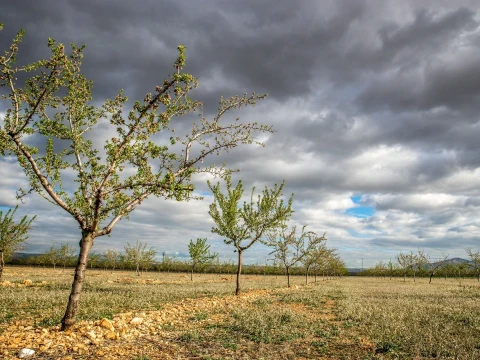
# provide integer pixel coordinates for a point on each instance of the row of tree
(140, 258)
(421, 264)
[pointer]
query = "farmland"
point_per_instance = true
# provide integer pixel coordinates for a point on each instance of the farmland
(162, 316)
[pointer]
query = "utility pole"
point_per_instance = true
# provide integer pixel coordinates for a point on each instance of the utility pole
(362, 264)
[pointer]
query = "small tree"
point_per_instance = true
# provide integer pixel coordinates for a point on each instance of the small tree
(404, 263)
(111, 258)
(243, 226)
(432, 267)
(55, 107)
(313, 256)
(291, 249)
(200, 254)
(138, 256)
(52, 256)
(410, 262)
(391, 268)
(474, 261)
(12, 235)
(380, 269)
(94, 259)
(65, 254)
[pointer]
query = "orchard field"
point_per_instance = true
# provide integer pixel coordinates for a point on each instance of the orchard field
(168, 316)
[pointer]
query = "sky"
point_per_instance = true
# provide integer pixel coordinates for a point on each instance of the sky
(374, 105)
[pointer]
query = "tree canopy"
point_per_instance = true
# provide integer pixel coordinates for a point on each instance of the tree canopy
(243, 226)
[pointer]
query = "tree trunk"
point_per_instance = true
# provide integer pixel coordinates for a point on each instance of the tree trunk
(239, 271)
(306, 277)
(288, 277)
(191, 273)
(431, 276)
(2, 264)
(74, 298)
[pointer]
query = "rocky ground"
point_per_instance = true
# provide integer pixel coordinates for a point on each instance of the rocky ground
(205, 328)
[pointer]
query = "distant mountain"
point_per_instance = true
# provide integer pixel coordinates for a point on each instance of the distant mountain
(21, 255)
(451, 261)
(353, 271)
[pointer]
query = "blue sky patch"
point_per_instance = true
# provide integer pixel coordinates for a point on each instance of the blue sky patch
(356, 199)
(361, 211)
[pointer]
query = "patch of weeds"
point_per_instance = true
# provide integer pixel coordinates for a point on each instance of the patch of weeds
(349, 324)
(322, 333)
(384, 347)
(49, 321)
(168, 327)
(214, 326)
(202, 315)
(142, 357)
(7, 317)
(273, 326)
(307, 298)
(262, 302)
(285, 318)
(336, 294)
(189, 336)
(105, 314)
(230, 344)
(334, 330)
(318, 345)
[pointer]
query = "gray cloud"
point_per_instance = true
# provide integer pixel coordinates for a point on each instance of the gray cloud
(378, 99)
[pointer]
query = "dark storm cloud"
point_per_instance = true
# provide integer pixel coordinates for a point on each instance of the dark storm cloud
(372, 98)
(420, 75)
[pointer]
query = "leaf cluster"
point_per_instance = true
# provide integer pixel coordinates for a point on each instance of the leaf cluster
(13, 233)
(244, 225)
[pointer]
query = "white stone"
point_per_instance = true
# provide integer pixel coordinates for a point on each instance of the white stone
(25, 353)
(136, 321)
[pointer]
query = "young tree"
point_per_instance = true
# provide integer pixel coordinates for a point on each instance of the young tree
(94, 259)
(56, 104)
(138, 256)
(244, 226)
(52, 256)
(111, 258)
(433, 267)
(65, 254)
(200, 254)
(12, 235)
(312, 257)
(380, 269)
(336, 266)
(291, 249)
(474, 261)
(404, 263)
(391, 268)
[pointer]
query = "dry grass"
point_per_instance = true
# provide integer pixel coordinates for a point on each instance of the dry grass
(346, 318)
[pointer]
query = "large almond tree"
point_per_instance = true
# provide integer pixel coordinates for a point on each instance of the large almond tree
(144, 158)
